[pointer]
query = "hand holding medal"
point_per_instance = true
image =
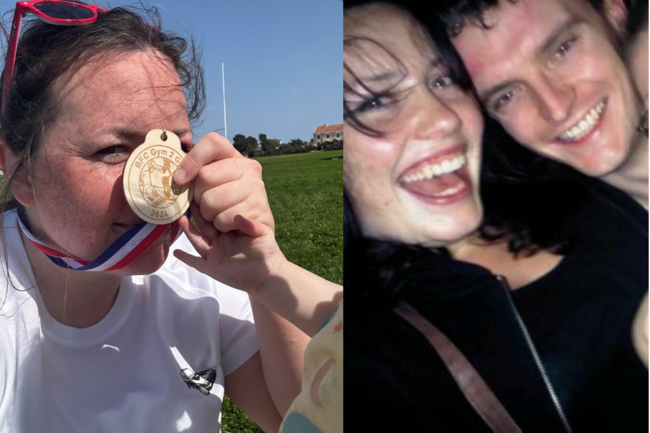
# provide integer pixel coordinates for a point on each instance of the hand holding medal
(227, 197)
(225, 184)
(148, 179)
(235, 235)
(160, 181)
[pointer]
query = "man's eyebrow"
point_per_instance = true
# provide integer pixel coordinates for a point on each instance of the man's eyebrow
(557, 32)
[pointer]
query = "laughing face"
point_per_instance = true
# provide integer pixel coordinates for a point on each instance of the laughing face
(412, 135)
(550, 73)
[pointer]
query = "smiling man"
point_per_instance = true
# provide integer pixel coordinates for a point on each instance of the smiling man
(551, 72)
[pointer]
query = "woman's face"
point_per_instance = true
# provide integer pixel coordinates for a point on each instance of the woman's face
(108, 106)
(418, 181)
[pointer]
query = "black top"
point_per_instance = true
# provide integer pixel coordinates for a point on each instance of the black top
(578, 317)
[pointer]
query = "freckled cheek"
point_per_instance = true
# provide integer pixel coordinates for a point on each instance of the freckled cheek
(93, 190)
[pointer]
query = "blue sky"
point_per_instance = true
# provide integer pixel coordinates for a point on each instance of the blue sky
(283, 61)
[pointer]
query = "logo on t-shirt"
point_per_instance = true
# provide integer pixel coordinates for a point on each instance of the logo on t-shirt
(201, 380)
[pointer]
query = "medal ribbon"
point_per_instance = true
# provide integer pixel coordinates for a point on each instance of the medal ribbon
(121, 253)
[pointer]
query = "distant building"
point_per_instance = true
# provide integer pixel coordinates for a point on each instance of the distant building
(327, 133)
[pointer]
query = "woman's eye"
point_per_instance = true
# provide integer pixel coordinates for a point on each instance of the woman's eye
(443, 82)
(375, 103)
(113, 154)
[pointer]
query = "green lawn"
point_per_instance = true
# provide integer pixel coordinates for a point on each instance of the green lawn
(306, 196)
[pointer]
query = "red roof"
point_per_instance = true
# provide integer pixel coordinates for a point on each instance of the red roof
(328, 128)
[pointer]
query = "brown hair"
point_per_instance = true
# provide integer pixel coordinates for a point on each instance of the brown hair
(46, 52)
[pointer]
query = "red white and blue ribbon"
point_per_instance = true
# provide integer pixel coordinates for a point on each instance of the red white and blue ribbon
(121, 253)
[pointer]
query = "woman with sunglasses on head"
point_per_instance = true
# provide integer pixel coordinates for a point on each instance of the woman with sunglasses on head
(101, 328)
(526, 340)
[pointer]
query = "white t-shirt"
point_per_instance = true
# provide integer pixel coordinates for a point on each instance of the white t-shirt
(124, 373)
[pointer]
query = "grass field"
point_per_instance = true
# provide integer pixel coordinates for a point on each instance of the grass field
(306, 196)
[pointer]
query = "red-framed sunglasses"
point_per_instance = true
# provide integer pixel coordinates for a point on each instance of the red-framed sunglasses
(57, 12)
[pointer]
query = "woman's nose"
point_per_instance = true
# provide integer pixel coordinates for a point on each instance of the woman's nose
(434, 117)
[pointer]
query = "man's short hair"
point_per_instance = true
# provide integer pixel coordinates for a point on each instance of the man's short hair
(458, 13)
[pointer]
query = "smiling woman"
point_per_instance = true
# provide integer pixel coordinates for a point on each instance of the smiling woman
(148, 344)
(414, 135)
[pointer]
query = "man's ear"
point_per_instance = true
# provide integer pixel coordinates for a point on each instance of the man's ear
(616, 13)
(22, 187)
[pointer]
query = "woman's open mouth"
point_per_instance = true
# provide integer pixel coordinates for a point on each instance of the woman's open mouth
(443, 179)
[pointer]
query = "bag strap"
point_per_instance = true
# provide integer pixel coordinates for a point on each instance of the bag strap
(472, 385)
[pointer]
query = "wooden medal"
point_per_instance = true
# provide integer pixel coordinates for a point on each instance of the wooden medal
(149, 179)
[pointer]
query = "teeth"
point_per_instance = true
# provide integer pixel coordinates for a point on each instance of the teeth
(452, 190)
(431, 170)
(584, 126)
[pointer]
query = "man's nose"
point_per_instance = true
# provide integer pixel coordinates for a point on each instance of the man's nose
(555, 98)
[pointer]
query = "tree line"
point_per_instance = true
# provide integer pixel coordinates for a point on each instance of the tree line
(248, 146)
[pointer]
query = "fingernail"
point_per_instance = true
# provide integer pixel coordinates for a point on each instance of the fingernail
(180, 175)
